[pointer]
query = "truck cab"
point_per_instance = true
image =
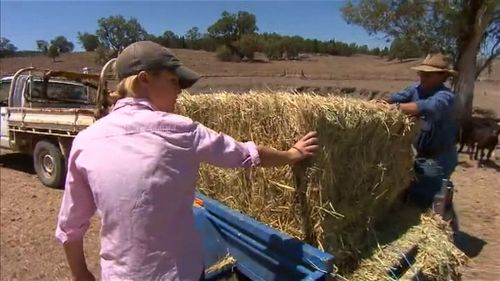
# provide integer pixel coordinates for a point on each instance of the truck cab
(41, 112)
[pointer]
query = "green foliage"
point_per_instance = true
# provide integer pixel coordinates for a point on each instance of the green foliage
(230, 27)
(62, 44)
(436, 25)
(116, 33)
(170, 40)
(384, 52)
(88, 41)
(224, 53)
(6, 48)
(42, 46)
(58, 45)
(248, 44)
(402, 48)
(53, 52)
(237, 32)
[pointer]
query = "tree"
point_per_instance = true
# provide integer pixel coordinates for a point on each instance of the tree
(62, 44)
(248, 45)
(402, 48)
(6, 48)
(230, 27)
(224, 28)
(169, 39)
(192, 37)
(53, 52)
(224, 53)
(115, 33)
(462, 28)
(376, 51)
(89, 42)
(42, 46)
(384, 52)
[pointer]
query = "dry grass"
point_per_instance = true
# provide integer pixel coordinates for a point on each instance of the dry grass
(333, 200)
(436, 258)
(221, 264)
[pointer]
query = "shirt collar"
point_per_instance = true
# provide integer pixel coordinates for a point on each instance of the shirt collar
(134, 101)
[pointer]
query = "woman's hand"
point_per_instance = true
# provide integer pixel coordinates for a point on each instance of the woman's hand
(304, 148)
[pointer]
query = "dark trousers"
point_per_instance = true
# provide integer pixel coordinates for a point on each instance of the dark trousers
(429, 175)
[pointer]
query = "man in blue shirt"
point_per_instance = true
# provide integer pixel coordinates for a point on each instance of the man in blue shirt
(433, 104)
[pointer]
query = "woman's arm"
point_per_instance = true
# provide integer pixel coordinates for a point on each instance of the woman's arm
(304, 148)
(223, 151)
(77, 208)
(76, 260)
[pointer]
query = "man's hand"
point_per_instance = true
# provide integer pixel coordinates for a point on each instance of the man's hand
(305, 147)
(379, 101)
(384, 103)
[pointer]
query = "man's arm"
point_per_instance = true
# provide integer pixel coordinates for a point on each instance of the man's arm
(431, 107)
(401, 97)
(409, 108)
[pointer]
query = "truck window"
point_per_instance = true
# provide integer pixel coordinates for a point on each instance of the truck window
(4, 92)
(60, 91)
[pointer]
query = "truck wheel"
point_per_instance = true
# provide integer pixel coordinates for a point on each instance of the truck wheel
(49, 164)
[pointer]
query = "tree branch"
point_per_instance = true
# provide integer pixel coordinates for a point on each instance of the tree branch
(495, 52)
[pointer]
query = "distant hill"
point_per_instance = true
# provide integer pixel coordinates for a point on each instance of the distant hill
(325, 72)
(316, 67)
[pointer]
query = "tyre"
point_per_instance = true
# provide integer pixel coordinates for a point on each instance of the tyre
(50, 165)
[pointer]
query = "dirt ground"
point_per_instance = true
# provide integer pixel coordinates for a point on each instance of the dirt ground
(477, 197)
(29, 251)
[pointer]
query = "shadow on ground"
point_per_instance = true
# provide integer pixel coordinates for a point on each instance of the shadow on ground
(468, 244)
(491, 165)
(17, 161)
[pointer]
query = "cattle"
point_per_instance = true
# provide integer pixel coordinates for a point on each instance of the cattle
(486, 139)
(479, 134)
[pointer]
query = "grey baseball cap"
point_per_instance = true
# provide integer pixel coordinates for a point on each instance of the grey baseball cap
(147, 55)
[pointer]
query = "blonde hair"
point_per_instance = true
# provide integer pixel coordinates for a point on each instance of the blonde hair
(125, 88)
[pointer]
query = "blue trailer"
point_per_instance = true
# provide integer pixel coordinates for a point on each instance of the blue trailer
(258, 251)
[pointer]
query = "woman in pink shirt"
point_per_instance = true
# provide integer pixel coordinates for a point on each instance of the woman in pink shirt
(138, 166)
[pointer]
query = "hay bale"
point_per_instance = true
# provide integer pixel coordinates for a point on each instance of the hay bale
(332, 200)
(436, 256)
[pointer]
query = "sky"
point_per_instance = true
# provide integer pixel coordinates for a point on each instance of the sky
(24, 22)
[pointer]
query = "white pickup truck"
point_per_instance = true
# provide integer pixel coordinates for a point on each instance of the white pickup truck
(41, 113)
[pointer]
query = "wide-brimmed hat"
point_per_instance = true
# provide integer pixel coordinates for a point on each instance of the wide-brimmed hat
(435, 63)
(147, 55)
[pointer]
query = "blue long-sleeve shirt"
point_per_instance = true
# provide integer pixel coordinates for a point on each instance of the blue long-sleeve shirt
(438, 124)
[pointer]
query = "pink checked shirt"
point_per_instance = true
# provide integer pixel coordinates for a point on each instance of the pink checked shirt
(138, 168)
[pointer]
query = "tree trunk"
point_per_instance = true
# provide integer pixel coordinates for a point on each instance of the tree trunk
(464, 84)
(479, 16)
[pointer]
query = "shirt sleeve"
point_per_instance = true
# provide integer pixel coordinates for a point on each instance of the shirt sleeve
(403, 96)
(223, 151)
(434, 106)
(78, 204)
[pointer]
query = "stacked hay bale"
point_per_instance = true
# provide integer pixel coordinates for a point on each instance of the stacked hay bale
(331, 201)
(423, 248)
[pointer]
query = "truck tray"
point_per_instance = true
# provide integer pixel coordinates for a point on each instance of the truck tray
(259, 251)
